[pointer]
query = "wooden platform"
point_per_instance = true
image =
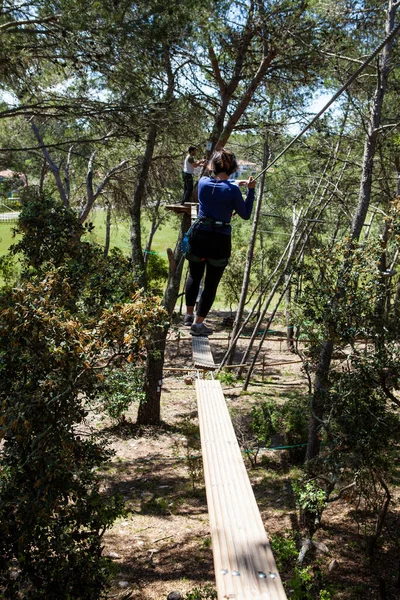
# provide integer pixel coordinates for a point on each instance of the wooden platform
(245, 568)
(181, 208)
(202, 357)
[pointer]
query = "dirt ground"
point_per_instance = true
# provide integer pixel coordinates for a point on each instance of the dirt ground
(162, 543)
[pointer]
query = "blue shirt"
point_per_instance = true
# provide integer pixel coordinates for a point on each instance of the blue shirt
(219, 199)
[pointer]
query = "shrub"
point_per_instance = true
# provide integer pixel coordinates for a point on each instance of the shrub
(122, 387)
(52, 514)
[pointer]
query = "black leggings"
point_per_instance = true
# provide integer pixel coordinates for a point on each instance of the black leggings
(213, 277)
(206, 245)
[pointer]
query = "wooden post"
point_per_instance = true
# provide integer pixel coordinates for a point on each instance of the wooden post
(263, 368)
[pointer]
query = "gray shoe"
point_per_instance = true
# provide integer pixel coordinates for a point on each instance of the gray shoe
(200, 329)
(188, 320)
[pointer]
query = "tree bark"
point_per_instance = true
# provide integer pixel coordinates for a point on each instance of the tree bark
(149, 408)
(108, 230)
(321, 384)
(135, 208)
(249, 258)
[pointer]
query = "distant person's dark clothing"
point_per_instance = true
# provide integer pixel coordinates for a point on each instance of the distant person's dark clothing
(187, 176)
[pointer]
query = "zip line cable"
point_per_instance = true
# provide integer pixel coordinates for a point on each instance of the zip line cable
(344, 87)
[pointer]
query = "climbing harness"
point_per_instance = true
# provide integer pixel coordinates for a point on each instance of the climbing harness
(208, 221)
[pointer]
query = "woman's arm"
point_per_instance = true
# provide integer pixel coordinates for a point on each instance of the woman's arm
(244, 207)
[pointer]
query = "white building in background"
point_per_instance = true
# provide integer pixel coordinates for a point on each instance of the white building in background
(245, 170)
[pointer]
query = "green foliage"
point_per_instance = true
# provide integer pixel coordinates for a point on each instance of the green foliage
(52, 512)
(50, 230)
(122, 386)
(311, 499)
(285, 549)
(227, 377)
(289, 420)
(341, 291)
(8, 269)
(304, 583)
(157, 271)
(202, 593)
(263, 422)
(301, 584)
(55, 340)
(231, 283)
(360, 425)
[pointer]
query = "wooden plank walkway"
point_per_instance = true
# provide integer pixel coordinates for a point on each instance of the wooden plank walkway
(245, 568)
(202, 357)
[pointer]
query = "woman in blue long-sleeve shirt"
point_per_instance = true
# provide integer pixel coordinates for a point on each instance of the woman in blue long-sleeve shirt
(210, 240)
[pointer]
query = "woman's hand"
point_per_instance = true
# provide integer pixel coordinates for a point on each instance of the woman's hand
(251, 183)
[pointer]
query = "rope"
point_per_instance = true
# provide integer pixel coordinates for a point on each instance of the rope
(344, 87)
(275, 448)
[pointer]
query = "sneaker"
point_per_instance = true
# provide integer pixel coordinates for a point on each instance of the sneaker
(200, 329)
(188, 320)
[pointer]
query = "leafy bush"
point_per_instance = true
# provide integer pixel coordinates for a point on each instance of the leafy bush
(285, 550)
(289, 420)
(58, 330)
(52, 515)
(122, 386)
(50, 231)
(312, 500)
(156, 272)
(8, 269)
(202, 593)
(227, 377)
(263, 421)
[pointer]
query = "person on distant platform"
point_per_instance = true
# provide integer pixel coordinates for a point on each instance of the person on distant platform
(187, 174)
(210, 237)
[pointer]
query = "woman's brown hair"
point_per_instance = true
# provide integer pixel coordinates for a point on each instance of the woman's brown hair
(223, 161)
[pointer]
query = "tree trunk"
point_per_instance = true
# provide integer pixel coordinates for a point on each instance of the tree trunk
(289, 324)
(249, 258)
(135, 208)
(108, 230)
(375, 119)
(155, 223)
(149, 408)
(321, 384)
(321, 391)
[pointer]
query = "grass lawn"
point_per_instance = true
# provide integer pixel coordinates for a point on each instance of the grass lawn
(6, 237)
(164, 238)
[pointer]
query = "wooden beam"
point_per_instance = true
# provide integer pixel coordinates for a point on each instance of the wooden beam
(202, 357)
(245, 568)
(182, 208)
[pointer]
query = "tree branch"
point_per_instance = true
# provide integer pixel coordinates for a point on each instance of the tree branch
(10, 24)
(53, 167)
(91, 195)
